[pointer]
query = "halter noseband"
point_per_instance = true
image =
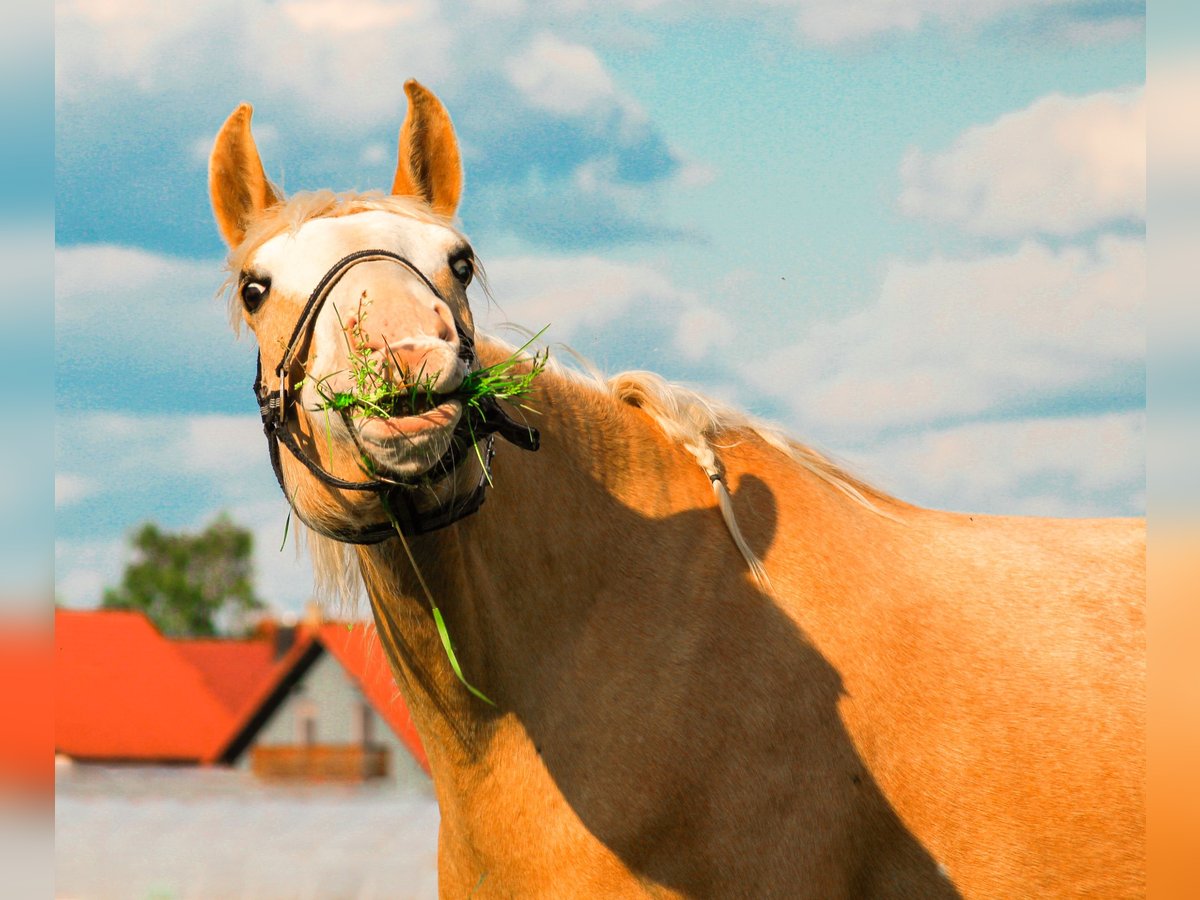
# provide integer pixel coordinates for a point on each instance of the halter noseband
(395, 494)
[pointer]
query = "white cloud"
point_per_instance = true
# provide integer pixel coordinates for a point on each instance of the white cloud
(121, 452)
(342, 62)
(70, 488)
(351, 74)
(835, 22)
(1061, 166)
(574, 294)
(527, 87)
(84, 568)
(957, 338)
(1104, 31)
(969, 340)
(357, 53)
(563, 78)
(696, 175)
(181, 471)
(213, 445)
(375, 154)
(140, 42)
(616, 315)
(488, 9)
(88, 278)
(1071, 466)
(831, 22)
(347, 16)
(702, 330)
(129, 319)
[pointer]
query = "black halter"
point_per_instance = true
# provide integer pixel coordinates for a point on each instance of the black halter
(397, 495)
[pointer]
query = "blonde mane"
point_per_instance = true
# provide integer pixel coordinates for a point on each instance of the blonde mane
(702, 426)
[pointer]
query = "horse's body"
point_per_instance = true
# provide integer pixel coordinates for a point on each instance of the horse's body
(916, 704)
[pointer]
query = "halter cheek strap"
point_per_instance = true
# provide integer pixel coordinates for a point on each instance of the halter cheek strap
(397, 495)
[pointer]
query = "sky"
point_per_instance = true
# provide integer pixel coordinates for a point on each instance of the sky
(910, 231)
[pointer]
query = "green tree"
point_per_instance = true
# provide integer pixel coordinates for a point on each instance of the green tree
(188, 583)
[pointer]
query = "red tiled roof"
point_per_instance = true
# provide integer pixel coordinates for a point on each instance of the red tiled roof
(268, 695)
(233, 669)
(358, 650)
(124, 692)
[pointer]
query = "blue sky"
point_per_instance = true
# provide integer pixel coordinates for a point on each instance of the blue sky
(912, 231)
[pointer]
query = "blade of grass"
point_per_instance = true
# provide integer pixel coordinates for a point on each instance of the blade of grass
(443, 632)
(286, 524)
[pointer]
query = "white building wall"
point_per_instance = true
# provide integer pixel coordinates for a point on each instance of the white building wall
(329, 694)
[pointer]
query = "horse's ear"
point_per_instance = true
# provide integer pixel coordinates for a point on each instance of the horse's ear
(429, 165)
(236, 181)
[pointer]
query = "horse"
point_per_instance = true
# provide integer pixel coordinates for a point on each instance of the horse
(674, 652)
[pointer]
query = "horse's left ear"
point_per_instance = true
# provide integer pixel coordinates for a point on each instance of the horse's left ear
(429, 165)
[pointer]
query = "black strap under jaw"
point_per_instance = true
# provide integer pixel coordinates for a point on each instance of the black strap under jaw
(474, 435)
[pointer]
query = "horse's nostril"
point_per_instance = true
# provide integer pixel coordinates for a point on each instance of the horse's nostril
(446, 327)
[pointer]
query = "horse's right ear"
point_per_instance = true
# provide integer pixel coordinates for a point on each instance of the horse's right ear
(429, 166)
(236, 181)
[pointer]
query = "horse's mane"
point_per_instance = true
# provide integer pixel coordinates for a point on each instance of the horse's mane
(703, 426)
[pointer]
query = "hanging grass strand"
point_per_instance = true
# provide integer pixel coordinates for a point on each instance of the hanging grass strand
(443, 633)
(372, 393)
(286, 525)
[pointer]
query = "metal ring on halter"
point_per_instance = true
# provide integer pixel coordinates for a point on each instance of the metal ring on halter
(397, 494)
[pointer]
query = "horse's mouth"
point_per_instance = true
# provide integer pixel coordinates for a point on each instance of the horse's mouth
(444, 415)
(409, 445)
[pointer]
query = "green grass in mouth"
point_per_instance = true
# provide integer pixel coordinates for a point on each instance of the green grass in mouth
(374, 394)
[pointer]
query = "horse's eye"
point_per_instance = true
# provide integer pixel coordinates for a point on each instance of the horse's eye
(463, 269)
(254, 293)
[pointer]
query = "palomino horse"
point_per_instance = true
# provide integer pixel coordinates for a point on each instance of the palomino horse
(903, 702)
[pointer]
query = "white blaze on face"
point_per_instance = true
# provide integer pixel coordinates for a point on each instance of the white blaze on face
(380, 306)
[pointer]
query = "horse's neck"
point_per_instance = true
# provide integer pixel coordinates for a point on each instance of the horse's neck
(598, 599)
(558, 534)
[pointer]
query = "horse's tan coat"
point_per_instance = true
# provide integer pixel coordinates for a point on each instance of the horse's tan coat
(924, 704)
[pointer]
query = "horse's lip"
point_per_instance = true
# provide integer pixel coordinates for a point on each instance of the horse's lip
(444, 415)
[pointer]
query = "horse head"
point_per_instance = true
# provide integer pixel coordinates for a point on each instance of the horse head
(356, 300)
